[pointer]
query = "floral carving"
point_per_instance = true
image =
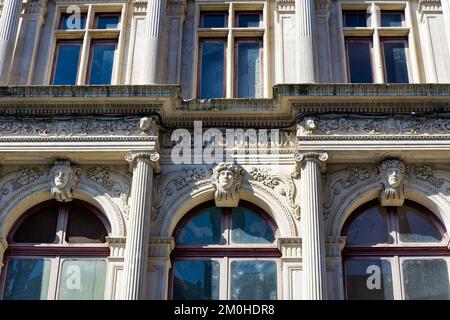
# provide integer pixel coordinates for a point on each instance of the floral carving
(425, 173)
(25, 177)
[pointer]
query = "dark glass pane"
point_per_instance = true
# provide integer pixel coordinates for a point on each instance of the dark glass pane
(248, 20)
(82, 280)
(395, 61)
(369, 279)
(39, 227)
(84, 226)
(27, 279)
(213, 20)
(253, 280)
(426, 279)
(369, 227)
(213, 68)
(196, 280)
(355, 18)
(66, 68)
(415, 226)
(107, 21)
(202, 229)
(248, 70)
(250, 227)
(72, 22)
(391, 19)
(102, 63)
(359, 61)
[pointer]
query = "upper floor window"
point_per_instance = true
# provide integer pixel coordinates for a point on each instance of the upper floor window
(225, 253)
(231, 46)
(405, 247)
(57, 251)
(86, 46)
(376, 46)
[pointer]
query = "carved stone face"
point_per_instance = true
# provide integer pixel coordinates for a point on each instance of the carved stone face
(394, 177)
(61, 177)
(144, 124)
(226, 179)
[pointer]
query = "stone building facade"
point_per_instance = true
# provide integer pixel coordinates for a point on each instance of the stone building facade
(339, 191)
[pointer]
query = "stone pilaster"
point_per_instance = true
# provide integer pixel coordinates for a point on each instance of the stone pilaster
(313, 249)
(446, 13)
(153, 37)
(323, 40)
(305, 21)
(143, 164)
(9, 22)
(291, 266)
(158, 267)
(3, 247)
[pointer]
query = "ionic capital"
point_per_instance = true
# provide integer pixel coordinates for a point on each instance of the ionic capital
(151, 158)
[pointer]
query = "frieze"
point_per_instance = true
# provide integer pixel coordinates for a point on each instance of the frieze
(426, 174)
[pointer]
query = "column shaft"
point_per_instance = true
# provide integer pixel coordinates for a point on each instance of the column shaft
(305, 21)
(153, 38)
(446, 13)
(136, 248)
(9, 22)
(313, 247)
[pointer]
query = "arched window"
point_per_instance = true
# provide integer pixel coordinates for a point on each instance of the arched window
(395, 253)
(225, 253)
(57, 251)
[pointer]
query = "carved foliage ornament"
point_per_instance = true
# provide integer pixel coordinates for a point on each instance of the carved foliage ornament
(393, 177)
(227, 180)
(63, 179)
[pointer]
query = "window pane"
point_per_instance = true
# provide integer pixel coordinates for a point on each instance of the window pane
(212, 70)
(72, 22)
(426, 279)
(39, 227)
(248, 20)
(213, 20)
(253, 280)
(250, 227)
(66, 64)
(415, 226)
(204, 228)
(391, 19)
(102, 63)
(355, 19)
(369, 279)
(84, 227)
(82, 280)
(107, 21)
(27, 279)
(369, 227)
(359, 61)
(395, 61)
(248, 70)
(197, 280)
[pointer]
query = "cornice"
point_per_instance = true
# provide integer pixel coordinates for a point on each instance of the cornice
(426, 6)
(285, 6)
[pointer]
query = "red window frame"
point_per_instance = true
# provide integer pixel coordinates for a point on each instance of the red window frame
(395, 40)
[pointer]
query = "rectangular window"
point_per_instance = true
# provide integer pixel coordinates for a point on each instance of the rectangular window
(107, 21)
(395, 61)
(72, 21)
(356, 18)
(65, 67)
(253, 280)
(27, 279)
(360, 281)
(359, 60)
(212, 69)
(248, 19)
(392, 19)
(248, 64)
(196, 280)
(214, 19)
(82, 280)
(426, 279)
(101, 62)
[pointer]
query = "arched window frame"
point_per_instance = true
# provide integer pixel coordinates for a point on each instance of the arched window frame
(226, 253)
(399, 251)
(59, 251)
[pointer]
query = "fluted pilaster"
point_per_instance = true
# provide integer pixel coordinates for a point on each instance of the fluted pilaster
(153, 38)
(305, 20)
(136, 249)
(446, 12)
(313, 243)
(9, 22)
